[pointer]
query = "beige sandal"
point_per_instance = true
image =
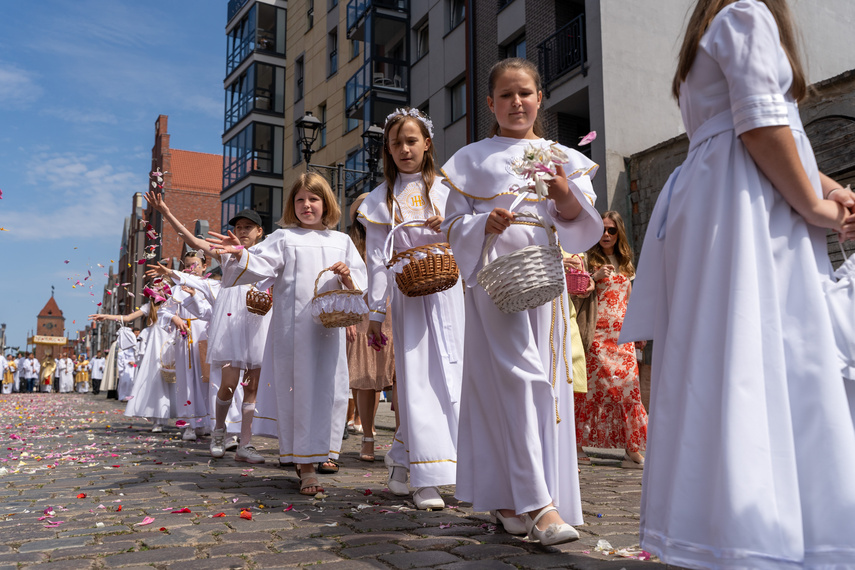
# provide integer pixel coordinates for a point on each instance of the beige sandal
(366, 456)
(309, 481)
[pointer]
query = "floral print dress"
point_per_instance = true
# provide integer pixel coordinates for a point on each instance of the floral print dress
(610, 414)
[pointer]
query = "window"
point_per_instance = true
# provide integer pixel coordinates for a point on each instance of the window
(356, 160)
(456, 13)
(322, 135)
(298, 79)
(422, 41)
(458, 100)
(350, 124)
(310, 14)
(516, 48)
(259, 198)
(257, 148)
(271, 28)
(332, 50)
(354, 48)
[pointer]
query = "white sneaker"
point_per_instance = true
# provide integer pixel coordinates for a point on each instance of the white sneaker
(397, 480)
(189, 434)
(232, 443)
(217, 447)
(428, 498)
(248, 454)
(156, 428)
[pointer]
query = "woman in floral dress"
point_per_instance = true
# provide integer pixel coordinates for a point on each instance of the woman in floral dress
(610, 414)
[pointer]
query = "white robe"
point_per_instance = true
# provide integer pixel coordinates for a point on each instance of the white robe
(65, 366)
(751, 448)
(428, 334)
(151, 396)
(191, 394)
(513, 453)
(126, 345)
(210, 291)
(4, 366)
(302, 394)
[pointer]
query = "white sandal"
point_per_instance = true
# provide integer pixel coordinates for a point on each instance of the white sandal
(554, 533)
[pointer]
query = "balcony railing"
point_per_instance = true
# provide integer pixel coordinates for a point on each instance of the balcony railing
(357, 8)
(234, 8)
(563, 52)
(381, 74)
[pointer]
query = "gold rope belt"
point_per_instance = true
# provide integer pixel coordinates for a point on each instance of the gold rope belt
(189, 343)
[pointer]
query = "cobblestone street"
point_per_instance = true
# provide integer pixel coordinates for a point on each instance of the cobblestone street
(85, 487)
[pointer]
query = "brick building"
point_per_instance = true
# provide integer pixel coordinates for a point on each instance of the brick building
(49, 323)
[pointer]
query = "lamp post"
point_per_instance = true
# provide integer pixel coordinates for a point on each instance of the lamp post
(372, 139)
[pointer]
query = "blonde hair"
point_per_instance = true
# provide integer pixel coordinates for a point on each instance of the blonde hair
(703, 15)
(597, 257)
(518, 64)
(390, 169)
(315, 184)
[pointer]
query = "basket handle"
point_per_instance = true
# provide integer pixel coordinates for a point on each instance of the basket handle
(389, 244)
(491, 239)
(319, 278)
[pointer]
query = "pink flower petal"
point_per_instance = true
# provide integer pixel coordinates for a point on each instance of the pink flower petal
(588, 139)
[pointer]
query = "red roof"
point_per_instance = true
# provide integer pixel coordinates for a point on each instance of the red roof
(197, 171)
(51, 309)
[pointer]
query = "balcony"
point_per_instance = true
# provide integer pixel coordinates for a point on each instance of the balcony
(563, 53)
(234, 8)
(385, 78)
(357, 9)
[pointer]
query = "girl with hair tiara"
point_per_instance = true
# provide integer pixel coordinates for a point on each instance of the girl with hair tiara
(304, 381)
(428, 330)
(516, 440)
(237, 336)
(751, 446)
(151, 397)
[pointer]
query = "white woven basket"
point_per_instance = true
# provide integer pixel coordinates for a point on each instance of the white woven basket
(528, 277)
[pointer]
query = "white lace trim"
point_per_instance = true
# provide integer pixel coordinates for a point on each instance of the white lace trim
(345, 303)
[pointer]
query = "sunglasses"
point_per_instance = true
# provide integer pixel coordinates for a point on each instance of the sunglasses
(610, 231)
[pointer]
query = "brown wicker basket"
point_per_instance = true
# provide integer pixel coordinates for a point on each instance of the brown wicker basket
(337, 319)
(258, 302)
(430, 268)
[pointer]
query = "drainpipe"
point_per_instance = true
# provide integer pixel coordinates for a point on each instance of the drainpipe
(470, 72)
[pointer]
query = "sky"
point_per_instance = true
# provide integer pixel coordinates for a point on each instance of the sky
(81, 86)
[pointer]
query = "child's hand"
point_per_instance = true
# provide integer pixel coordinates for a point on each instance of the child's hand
(180, 323)
(343, 271)
(225, 244)
(558, 187)
(99, 318)
(158, 270)
(156, 201)
(350, 333)
(376, 339)
(498, 221)
(434, 222)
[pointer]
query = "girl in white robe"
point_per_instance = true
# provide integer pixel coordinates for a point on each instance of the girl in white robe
(428, 330)
(751, 448)
(516, 441)
(126, 345)
(236, 340)
(305, 372)
(152, 395)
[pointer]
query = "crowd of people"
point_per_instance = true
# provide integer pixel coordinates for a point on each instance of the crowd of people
(25, 373)
(750, 427)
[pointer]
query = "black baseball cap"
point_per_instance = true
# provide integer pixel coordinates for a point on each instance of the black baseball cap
(250, 215)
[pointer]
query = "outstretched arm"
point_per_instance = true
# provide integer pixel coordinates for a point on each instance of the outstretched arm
(124, 318)
(157, 202)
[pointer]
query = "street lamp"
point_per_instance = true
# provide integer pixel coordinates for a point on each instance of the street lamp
(307, 133)
(372, 141)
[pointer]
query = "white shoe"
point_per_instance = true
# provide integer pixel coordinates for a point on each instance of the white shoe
(428, 498)
(554, 533)
(189, 434)
(629, 463)
(397, 480)
(217, 448)
(248, 454)
(512, 524)
(232, 443)
(156, 428)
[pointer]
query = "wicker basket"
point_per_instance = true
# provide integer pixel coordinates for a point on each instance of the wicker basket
(337, 319)
(577, 281)
(167, 361)
(428, 269)
(528, 277)
(258, 302)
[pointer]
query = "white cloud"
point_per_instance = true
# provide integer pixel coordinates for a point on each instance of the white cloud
(18, 88)
(72, 196)
(81, 117)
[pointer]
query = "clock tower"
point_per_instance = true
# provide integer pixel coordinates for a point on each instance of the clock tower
(50, 323)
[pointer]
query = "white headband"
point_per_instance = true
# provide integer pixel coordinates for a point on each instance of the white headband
(412, 113)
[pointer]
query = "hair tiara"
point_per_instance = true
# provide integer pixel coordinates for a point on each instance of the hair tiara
(412, 113)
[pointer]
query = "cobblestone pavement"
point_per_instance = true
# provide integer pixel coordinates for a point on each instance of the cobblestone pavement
(81, 486)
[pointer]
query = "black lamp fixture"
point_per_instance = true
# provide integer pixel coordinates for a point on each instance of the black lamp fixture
(307, 133)
(372, 142)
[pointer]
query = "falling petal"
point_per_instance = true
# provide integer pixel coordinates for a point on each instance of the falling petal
(588, 139)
